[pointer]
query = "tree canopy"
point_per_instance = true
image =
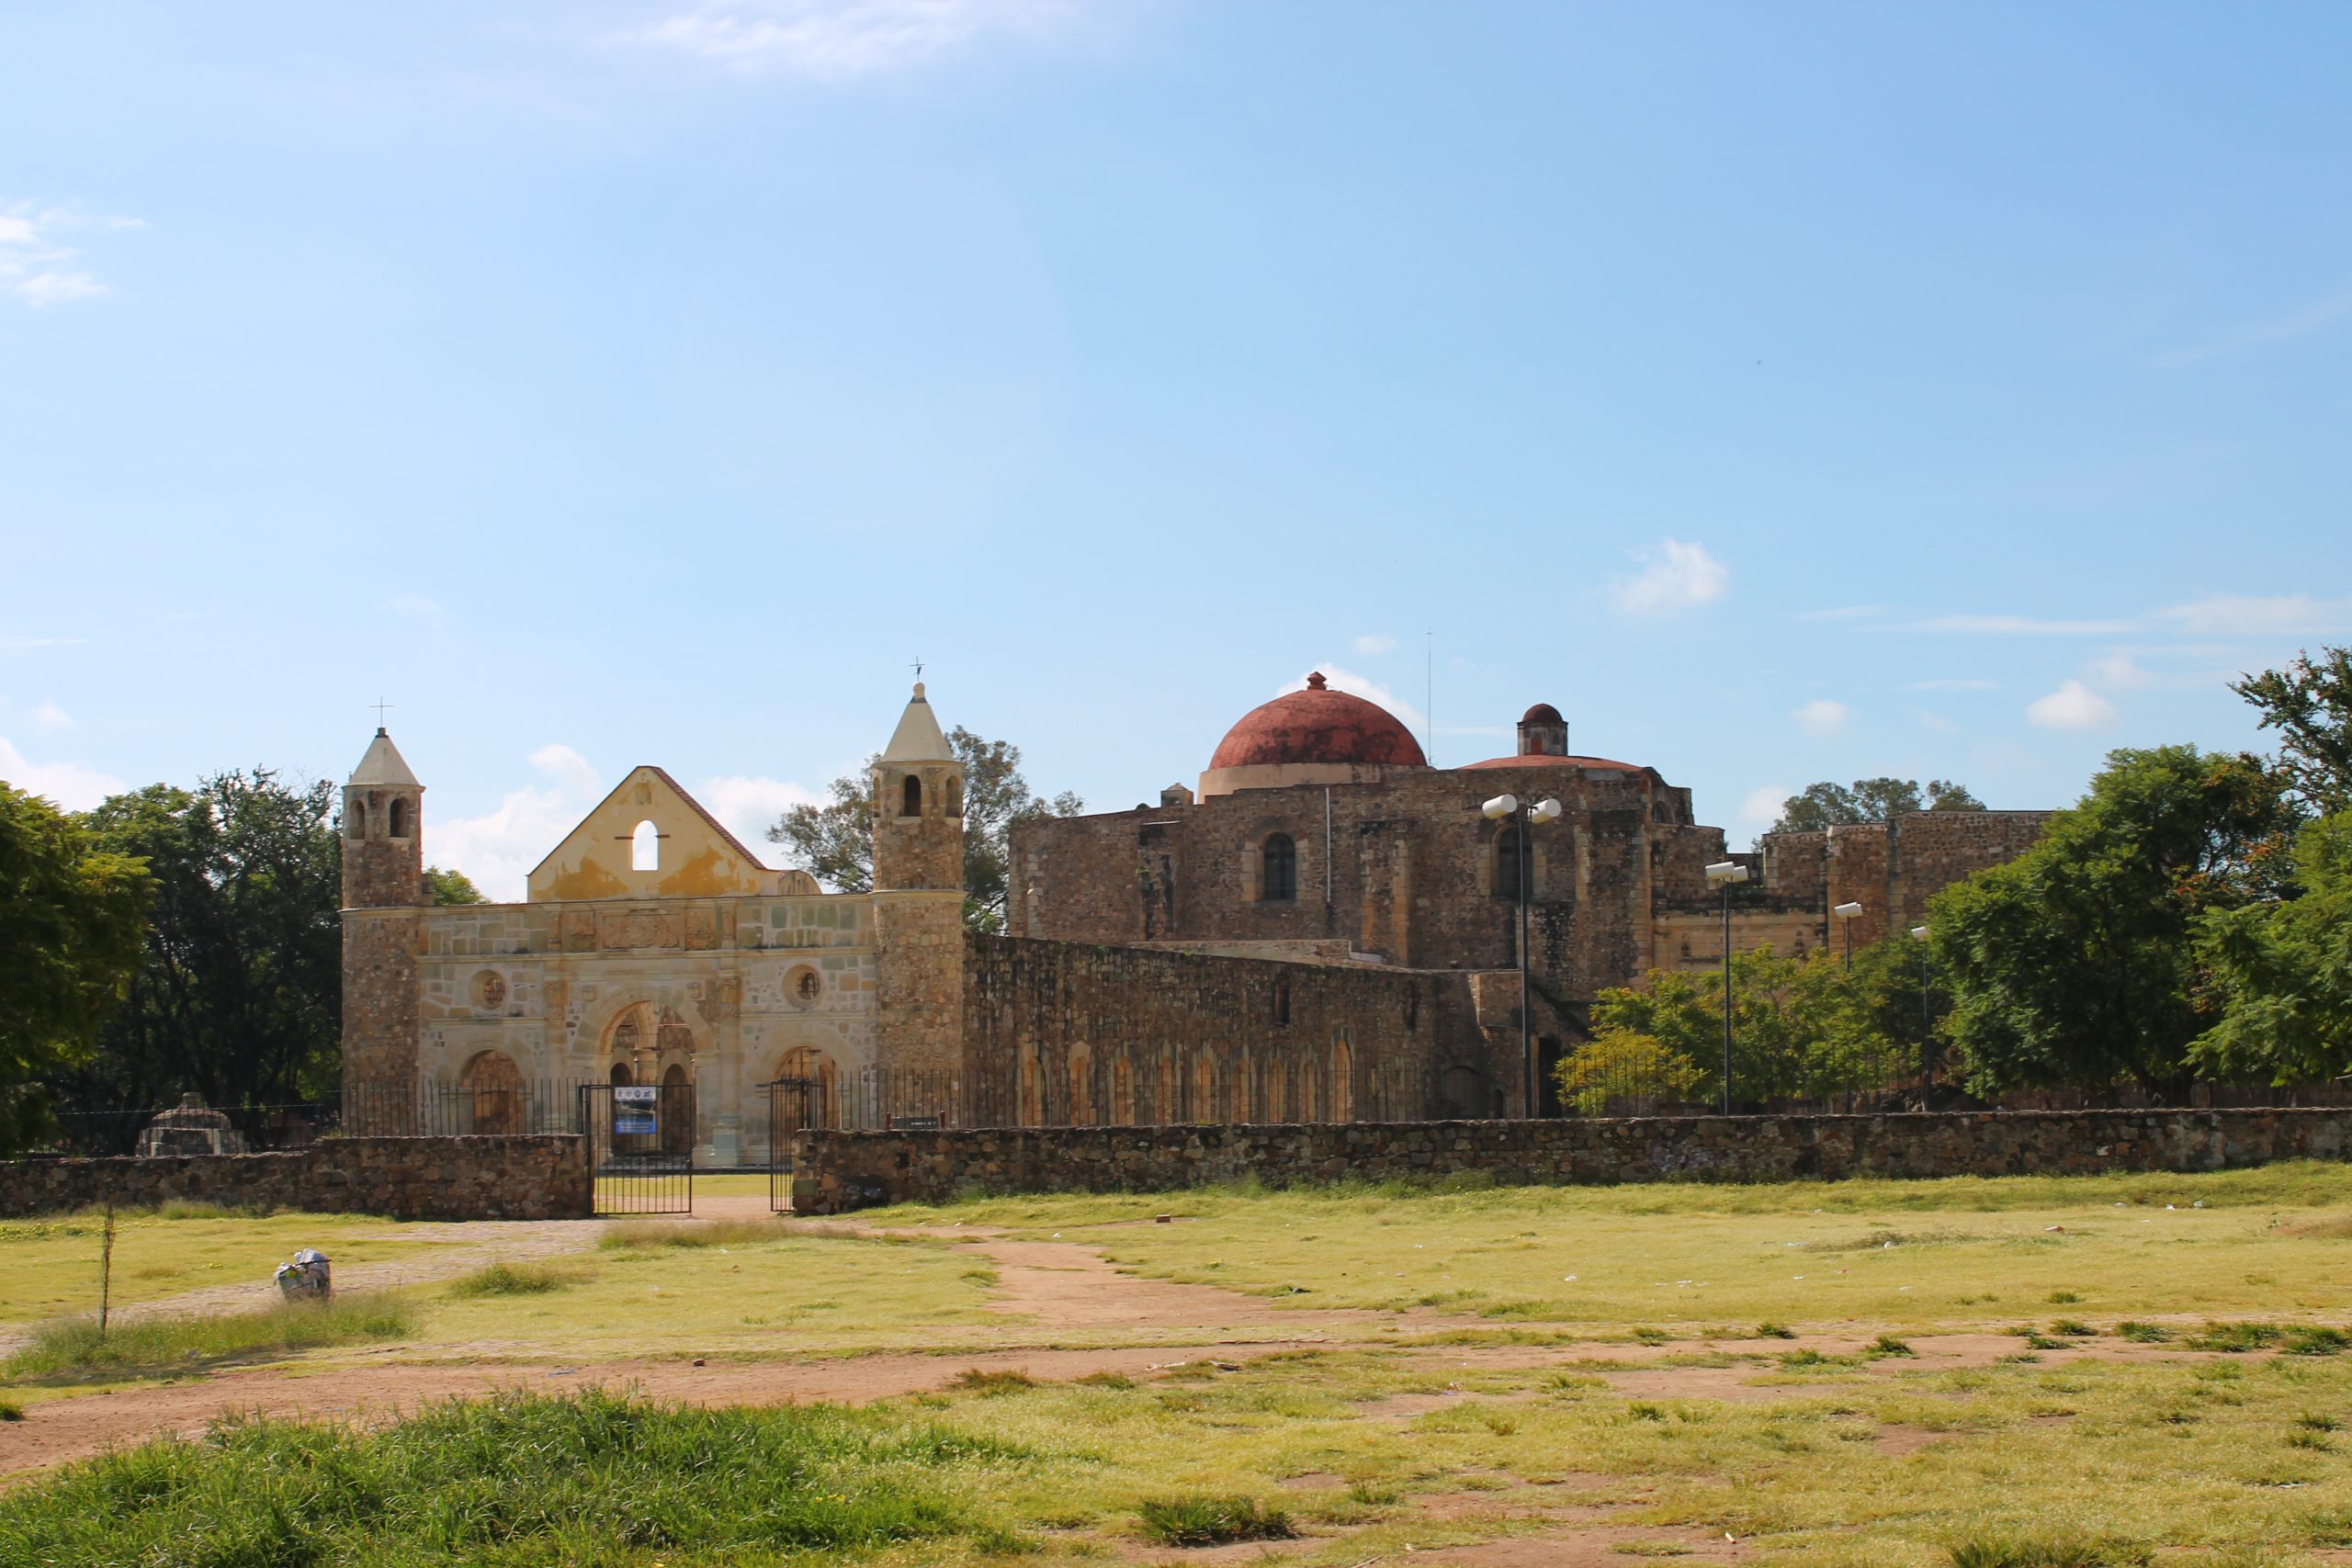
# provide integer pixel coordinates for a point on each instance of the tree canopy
(1827, 805)
(2074, 963)
(237, 993)
(834, 842)
(445, 887)
(2310, 705)
(72, 913)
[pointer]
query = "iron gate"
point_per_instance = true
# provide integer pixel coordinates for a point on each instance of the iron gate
(793, 1104)
(640, 1145)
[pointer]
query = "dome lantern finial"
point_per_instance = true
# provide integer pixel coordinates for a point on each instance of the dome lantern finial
(1316, 682)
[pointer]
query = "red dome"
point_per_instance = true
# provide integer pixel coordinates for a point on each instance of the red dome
(1542, 713)
(1317, 725)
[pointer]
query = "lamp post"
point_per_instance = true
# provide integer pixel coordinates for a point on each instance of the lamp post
(1927, 1038)
(1846, 913)
(1523, 863)
(1726, 875)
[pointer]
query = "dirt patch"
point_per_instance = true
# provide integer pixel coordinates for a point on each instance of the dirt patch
(1585, 1546)
(1897, 1438)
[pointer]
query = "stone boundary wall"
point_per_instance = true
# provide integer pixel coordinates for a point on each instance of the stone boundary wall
(522, 1177)
(837, 1171)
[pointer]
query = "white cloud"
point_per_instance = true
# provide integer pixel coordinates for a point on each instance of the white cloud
(1822, 718)
(2071, 706)
(834, 40)
(749, 805)
(49, 716)
(1955, 683)
(1376, 643)
(1763, 804)
(2289, 614)
(72, 786)
(2317, 316)
(2117, 669)
(2021, 626)
(1674, 576)
(1357, 685)
(416, 607)
(498, 848)
(37, 265)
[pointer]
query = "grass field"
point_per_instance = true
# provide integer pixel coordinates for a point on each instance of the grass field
(52, 1264)
(1952, 1253)
(2025, 1373)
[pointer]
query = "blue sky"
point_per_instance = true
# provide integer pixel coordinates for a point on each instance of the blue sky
(1785, 392)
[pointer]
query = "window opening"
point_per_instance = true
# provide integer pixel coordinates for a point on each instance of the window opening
(645, 847)
(910, 796)
(1281, 869)
(399, 821)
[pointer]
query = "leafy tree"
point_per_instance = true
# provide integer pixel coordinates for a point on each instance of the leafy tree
(71, 916)
(451, 888)
(2310, 705)
(1827, 805)
(834, 842)
(2073, 965)
(2281, 974)
(1618, 1065)
(238, 990)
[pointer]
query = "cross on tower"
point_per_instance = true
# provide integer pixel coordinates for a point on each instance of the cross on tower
(917, 669)
(379, 706)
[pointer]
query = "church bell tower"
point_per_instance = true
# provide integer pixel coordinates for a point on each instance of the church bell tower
(918, 809)
(383, 899)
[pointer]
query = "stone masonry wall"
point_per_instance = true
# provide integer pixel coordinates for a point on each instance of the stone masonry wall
(519, 1178)
(1076, 1032)
(839, 1171)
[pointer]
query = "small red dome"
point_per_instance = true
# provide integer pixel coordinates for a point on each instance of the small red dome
(1317, 725)
(1542, 713)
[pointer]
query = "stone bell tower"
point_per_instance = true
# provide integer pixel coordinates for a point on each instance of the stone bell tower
(383, 899)
(919, 897)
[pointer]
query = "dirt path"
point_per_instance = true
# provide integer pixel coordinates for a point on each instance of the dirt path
(482, 1242)
(1053, 1286)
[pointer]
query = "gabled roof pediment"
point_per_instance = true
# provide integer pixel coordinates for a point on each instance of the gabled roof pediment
(696, 855)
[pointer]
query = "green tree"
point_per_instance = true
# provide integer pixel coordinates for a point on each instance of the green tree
(1827, 805)
(834, 842)
(2281, 973)
(70, 917)
(239, 988)
(451, 888)
(2072, 965)
(1618, 1065)
(2310, 705)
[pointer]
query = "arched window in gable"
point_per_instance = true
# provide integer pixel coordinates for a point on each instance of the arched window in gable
(645, 847)
(910, 796)
(1279, 861)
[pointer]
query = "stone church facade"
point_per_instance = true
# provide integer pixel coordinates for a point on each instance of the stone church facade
(1326, 929)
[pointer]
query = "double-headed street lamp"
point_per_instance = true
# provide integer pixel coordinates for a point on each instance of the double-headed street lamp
(1726, 875)
(1523, 862)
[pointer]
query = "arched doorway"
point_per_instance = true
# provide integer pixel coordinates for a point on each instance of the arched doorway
(677, 1121)
(805, 1065)
(492, 1092)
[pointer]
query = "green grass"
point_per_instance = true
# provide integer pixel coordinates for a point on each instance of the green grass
(1212, 1521)
(52, 1264)
(516, 1480)
(2050, 1554)
(642, 1235)
(1787, 1253)
(504, 1279)
(11, 1411)
(72, 1348)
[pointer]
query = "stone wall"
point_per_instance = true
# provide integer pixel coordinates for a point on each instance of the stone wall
(838, 1172)
(1071, 1033)
(520, 1178)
